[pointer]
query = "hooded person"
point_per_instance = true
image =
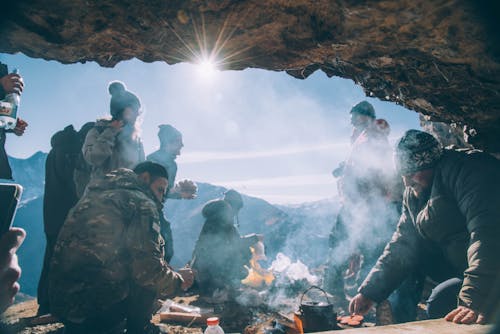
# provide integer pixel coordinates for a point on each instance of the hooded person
(448, 230)
(220, 252)
(115, 143)
(63, 163)
(59, 197)
(371, 198)
(362, 118)
(170, 148)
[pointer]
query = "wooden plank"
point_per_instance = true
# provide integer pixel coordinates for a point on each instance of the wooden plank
(437, 326)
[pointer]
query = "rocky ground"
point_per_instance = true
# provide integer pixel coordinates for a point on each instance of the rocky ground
(254, 313)
(21, 318)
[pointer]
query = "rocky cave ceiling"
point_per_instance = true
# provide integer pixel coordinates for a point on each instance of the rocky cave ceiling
(440, 58)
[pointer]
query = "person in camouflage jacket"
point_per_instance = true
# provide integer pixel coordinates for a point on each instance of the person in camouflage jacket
(449, 230)
(108, 261)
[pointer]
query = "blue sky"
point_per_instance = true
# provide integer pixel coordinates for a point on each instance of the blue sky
(263, 133)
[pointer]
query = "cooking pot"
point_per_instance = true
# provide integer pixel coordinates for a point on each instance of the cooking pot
(317, 316)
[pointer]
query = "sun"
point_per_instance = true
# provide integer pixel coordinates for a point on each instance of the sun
(207, 68)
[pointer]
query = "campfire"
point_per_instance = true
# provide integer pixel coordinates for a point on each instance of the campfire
(282, 299)
(258, 276)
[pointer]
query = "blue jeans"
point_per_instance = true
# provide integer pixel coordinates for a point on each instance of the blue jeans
(443, 298)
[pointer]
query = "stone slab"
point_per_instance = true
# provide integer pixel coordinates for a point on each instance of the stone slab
(437, 326)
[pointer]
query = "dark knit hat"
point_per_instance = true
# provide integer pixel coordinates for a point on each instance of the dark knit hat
(364, 108)
(167, 133)
(416, 151)
(234, 199)
(121, 98)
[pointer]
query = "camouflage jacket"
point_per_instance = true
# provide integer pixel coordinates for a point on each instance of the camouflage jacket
(459, 221)
(106, 149)
(109, 242)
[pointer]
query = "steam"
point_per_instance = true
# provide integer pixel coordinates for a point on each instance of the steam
(290, 271)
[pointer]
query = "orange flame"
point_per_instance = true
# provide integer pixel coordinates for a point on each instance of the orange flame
(257, 276)
(298, 323)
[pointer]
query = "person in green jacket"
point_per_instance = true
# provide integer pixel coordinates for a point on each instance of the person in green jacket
(108, 264)
(449, 230)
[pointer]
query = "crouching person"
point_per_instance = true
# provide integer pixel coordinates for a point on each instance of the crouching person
(220, 254)
(449, 230)
(108, 268)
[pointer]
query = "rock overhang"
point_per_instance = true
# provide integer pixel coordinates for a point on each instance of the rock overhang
(439, 58)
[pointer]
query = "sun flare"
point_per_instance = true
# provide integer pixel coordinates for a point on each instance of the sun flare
(207, 68)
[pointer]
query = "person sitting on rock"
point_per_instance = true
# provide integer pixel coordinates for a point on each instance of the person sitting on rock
(448, 230)
(108, 264)
(221, 253)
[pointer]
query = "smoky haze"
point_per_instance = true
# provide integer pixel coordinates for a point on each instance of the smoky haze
(262, 133)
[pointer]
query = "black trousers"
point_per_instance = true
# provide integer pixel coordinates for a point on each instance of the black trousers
(134, 313)
(43, 283)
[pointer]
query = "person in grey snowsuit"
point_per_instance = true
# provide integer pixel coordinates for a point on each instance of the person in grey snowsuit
(115, 143)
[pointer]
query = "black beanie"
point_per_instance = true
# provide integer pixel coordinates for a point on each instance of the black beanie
(121, 98)
(416, 151)
(234, 199)
(364, 108)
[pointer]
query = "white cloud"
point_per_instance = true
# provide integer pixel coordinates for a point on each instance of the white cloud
(204, 156)
(287, 189)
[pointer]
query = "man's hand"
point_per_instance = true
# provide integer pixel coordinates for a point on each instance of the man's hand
(187, 276)
(465, 315)
(9, 268)
(360, 304)
(187, 189)
(20, 127)
(12, 83)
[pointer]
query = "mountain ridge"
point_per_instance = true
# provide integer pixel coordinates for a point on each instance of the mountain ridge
(287, 229)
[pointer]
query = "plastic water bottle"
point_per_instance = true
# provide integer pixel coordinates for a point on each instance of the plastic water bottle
(213, 326)
(8, 109)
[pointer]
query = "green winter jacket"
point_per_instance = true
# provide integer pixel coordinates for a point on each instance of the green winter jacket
(460, 218)
(109, 242)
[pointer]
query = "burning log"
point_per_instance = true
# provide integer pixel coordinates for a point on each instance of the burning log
(184, 318)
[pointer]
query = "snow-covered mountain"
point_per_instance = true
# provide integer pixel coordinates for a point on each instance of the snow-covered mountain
(300, 231)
